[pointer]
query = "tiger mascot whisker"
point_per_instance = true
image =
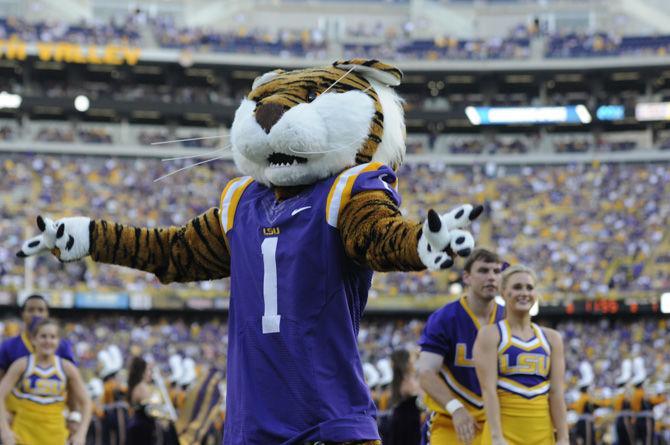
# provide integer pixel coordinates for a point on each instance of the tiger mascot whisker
(200, 138)
(299, 234)
(188, 167)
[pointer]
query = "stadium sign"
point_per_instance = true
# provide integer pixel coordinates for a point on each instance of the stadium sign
(655, 111)
(14, 49)
(101, 300)
(575, 114)
(610, 112)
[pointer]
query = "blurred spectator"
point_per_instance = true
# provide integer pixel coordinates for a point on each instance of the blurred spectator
(405, 422)
(602, 44)
(94, 136)
(6, 133)
(56, 134)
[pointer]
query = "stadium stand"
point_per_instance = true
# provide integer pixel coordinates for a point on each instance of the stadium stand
(565, 219)
(604, 344)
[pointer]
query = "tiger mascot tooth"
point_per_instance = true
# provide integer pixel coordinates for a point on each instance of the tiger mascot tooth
(300, 235)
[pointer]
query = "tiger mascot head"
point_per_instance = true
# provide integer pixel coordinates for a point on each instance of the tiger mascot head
(297, 127)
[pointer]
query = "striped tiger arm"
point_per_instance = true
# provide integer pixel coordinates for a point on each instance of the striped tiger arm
(376, 235)
(194, 252)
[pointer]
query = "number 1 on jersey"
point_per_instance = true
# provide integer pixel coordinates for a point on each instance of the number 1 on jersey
(270, 317)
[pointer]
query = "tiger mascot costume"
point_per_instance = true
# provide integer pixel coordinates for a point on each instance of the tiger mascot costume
(300, 235)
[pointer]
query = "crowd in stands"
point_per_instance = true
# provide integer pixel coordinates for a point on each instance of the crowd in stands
(604, 344)
(442, 48)
(477, 144)
(152, 137)
(193, 140)
(102, 135)
(472, 144)
(583, 146)
(489, 146)
(94, 136)
(99, 33)
(386, 41)
(82, 135)
(179, 94)
(280, 42)
(602, 44)
(589, 229)
(55, 134)
(586, 216)
(122, 189)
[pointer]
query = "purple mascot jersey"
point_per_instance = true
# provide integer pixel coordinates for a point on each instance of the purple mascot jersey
(294, 373)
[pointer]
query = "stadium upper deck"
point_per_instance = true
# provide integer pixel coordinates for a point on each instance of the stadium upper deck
(404, 30)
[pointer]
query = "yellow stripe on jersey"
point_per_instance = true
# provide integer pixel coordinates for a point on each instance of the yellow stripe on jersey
(540, 334)
(507, 339)
(55, 369)
(26, 341)
(39, 385)
(230, 197)
(522, 390)
(340, 191)
(475, 320)
(461, 390)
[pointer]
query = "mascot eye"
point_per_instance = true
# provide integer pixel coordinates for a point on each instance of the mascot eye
(311, 95)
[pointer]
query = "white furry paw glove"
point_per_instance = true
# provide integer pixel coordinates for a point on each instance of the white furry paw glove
(443, 236)
(68, 239)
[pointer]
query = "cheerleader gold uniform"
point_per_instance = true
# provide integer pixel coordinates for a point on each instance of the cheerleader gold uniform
(39, 404)
(523, 387)
(451, 332)
(19, 346)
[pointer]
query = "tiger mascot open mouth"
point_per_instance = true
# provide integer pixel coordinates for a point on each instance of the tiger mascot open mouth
(299, 236)
(300, 126)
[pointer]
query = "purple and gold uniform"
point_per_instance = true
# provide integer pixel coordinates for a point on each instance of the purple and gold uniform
(523, 388)
(294, 373)
(19, 346)
(40, 402)
(451, 332)
(14, 348)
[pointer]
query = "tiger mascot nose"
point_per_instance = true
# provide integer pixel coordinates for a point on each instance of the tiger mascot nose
(268, 114)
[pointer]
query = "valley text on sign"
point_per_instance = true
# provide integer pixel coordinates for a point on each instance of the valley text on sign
(69, 52)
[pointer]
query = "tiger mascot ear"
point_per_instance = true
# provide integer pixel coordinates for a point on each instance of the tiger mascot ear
(381, 72)
(265, 78)
(391, 147)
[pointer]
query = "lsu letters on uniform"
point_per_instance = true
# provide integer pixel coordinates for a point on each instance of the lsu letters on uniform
(451, 332)
(39, 402)
(523, 388)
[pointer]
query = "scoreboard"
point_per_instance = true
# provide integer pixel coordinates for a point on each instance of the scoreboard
(603, 307)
